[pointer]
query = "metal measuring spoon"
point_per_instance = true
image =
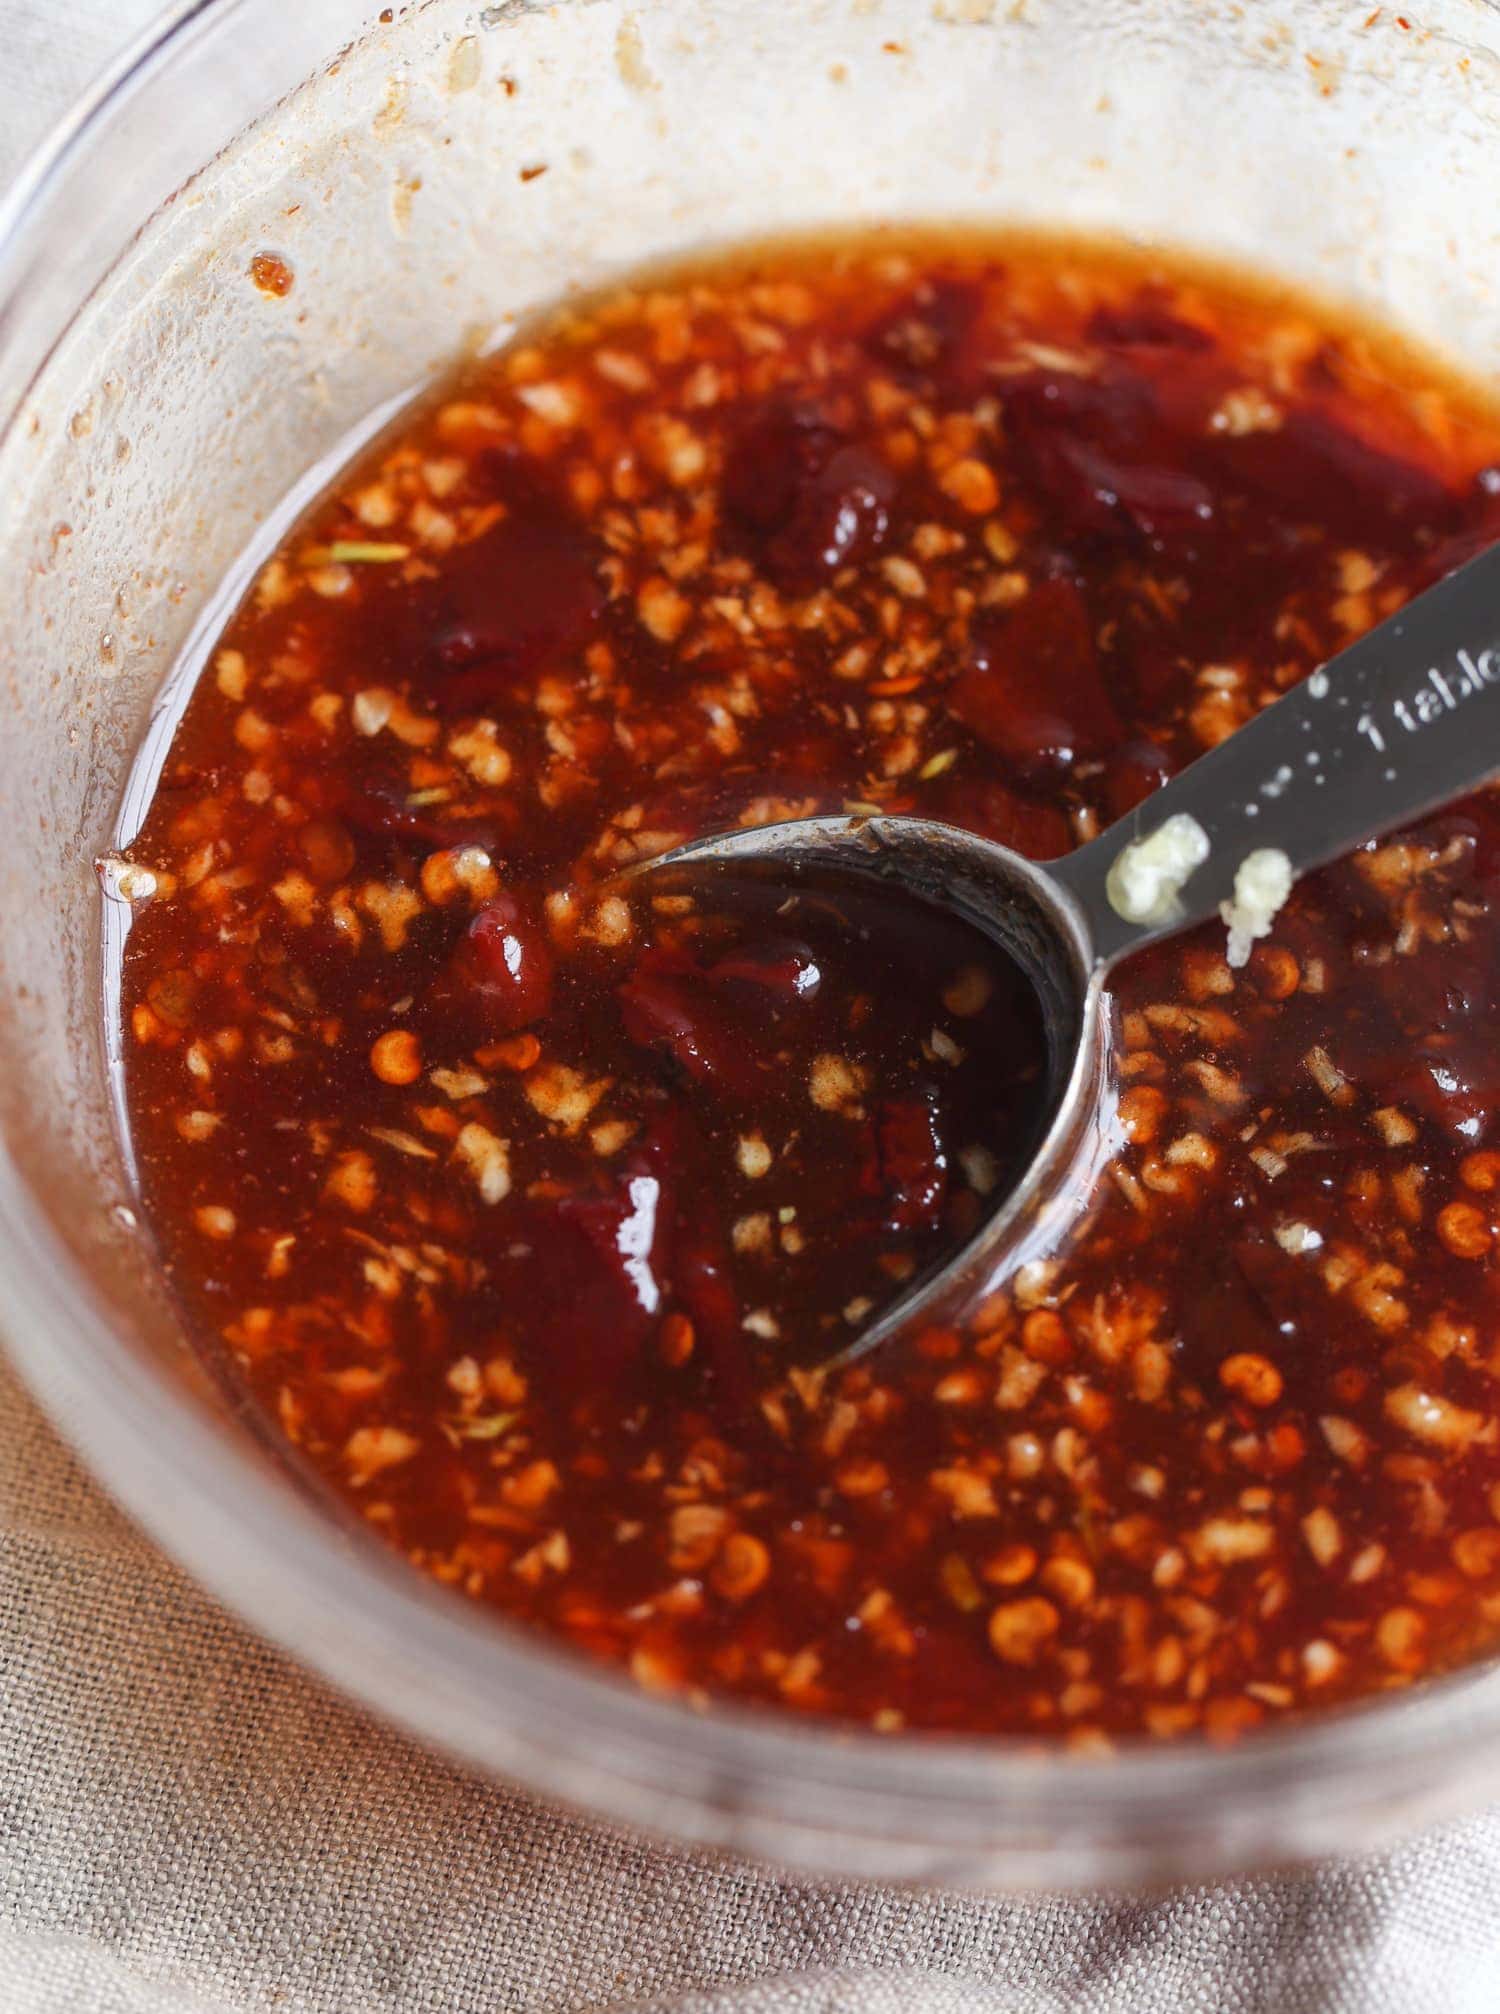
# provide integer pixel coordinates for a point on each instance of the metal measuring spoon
(1404, 720)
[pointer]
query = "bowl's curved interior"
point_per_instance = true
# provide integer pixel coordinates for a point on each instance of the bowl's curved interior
(449, 170)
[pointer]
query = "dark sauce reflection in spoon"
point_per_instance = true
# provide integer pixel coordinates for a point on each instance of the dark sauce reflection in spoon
(837, 1081)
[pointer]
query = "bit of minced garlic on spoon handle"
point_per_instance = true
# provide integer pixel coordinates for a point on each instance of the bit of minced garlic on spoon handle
(1407, 718)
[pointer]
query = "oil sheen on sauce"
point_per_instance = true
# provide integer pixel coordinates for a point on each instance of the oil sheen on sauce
(521, 1202)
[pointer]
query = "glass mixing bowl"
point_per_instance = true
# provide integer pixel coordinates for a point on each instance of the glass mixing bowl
(156, 406)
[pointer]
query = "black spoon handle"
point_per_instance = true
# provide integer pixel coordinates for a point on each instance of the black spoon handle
(1405, 719)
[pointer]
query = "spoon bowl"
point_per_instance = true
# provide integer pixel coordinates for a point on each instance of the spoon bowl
(1028, 911)
(1405, 719)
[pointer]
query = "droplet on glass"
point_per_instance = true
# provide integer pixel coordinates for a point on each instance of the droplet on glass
(123, 880)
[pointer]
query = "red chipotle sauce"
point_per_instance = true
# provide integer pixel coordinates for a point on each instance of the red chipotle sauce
(523, 1200)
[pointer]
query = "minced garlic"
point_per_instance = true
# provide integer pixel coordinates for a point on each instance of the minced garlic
(1262, 884)
(1149, 875)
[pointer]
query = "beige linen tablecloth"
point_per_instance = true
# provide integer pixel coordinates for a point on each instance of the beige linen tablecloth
(188, 1825)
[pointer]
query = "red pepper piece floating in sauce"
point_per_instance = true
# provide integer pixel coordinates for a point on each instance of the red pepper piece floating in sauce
(696, 1254)
(710, 1022)
(1096, 448)
(610, 1259)
(669, 1003)
(1132, 772)
(1032, 690)
(1311, 470)
(770, 459)
(777, 965)
(811, 502)
(512, 601)
(701, 1272)
(908, 1167)
(1448, 1067)
(597, 1274)
(498, 977)
(843, 513)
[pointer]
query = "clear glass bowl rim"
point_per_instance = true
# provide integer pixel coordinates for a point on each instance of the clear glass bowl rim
(508, 1703)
